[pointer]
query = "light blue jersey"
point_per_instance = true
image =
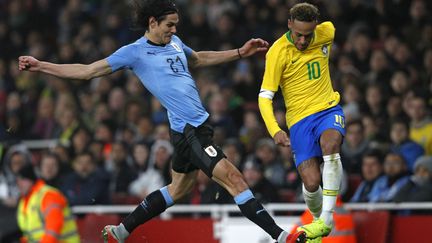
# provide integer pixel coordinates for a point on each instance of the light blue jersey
(163, 70)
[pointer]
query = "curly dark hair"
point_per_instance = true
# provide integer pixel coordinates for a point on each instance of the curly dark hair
(304, 12)
(144, 9)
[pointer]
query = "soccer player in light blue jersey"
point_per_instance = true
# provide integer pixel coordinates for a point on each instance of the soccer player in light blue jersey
(161, 61)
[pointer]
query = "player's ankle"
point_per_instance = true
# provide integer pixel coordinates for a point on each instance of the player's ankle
(282, 237)
(121, 231)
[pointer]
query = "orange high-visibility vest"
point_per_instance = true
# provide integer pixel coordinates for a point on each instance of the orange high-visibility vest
(45, 217)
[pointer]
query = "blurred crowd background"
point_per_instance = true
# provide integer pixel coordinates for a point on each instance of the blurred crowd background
(113, 136)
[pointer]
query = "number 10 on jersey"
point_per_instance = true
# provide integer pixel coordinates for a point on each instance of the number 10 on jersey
(314, 70)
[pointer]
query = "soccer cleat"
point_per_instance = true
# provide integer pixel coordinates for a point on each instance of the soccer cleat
(316, 240)
(297, 237)
(109, 236)
(315, 229)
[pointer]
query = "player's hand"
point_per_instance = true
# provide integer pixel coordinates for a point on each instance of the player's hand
(281, 138)
(253, 46)
(28, 63)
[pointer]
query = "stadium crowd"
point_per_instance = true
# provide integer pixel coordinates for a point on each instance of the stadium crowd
(111, 131)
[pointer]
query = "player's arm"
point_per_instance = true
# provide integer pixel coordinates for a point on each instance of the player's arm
(265, 103)
(208, 58)
(52, 211)
(275, 63)
(70, 71)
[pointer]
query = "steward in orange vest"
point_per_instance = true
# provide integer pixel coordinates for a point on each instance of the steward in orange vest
(43, 212)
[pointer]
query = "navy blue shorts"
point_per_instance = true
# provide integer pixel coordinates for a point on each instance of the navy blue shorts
(194, 149)
(306, 133)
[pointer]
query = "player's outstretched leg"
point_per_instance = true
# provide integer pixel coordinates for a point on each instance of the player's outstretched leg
(228, 176)
(332, 174)
(154, 204)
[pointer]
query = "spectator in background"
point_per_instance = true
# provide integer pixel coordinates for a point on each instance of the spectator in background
(145, 128)
(372, 133)
(353, 147)
(68, 124)
(394, 108)
(421, 125)
(399, 82)
(117, 103)
(419, 186)
(375, 102)
(101, 113)
(292, 177)
(372, 169)
(395, 177)
(50, 170)
(16, 157)
(162, 132)
(96, 148)
(86, 184)
(149, 178)
(264, 190)
(402, 144)
(219, 118)
(273, 169)
(104, 132)
(251, 130)
(352, 97)
(161, 153)
(122, 174)
(64, 155)
(80, 140)
(44, 124)
(234, 151)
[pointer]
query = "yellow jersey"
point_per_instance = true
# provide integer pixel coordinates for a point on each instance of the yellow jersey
(303, 76)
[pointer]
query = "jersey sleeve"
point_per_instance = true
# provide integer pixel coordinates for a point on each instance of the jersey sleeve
(122, 58)
(274, 66)
(327, 31)
(52, 210)
(187, 50)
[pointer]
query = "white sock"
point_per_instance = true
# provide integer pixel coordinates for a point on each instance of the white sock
(313, 201)
(282, 237)
(332, 177)
(121, 231)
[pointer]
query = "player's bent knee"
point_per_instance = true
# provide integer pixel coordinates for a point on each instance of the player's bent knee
(330, 148)
(236, 179)
(312, 184)
(227, 175)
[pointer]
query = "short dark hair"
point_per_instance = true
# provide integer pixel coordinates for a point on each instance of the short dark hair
(376, 153)
(144, 9)
(304, 12)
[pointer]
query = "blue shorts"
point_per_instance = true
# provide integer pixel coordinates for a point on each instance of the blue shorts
(306, 133)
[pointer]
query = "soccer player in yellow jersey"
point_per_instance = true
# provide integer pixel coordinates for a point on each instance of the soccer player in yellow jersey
(298, 63)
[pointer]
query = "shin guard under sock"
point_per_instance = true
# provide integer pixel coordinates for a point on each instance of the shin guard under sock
(255, 212)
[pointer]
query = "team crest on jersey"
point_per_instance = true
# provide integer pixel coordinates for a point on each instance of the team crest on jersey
(211, 151)
(324, 50)
(176, 47)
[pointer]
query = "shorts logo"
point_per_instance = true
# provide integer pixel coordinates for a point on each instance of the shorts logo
(211, 151)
